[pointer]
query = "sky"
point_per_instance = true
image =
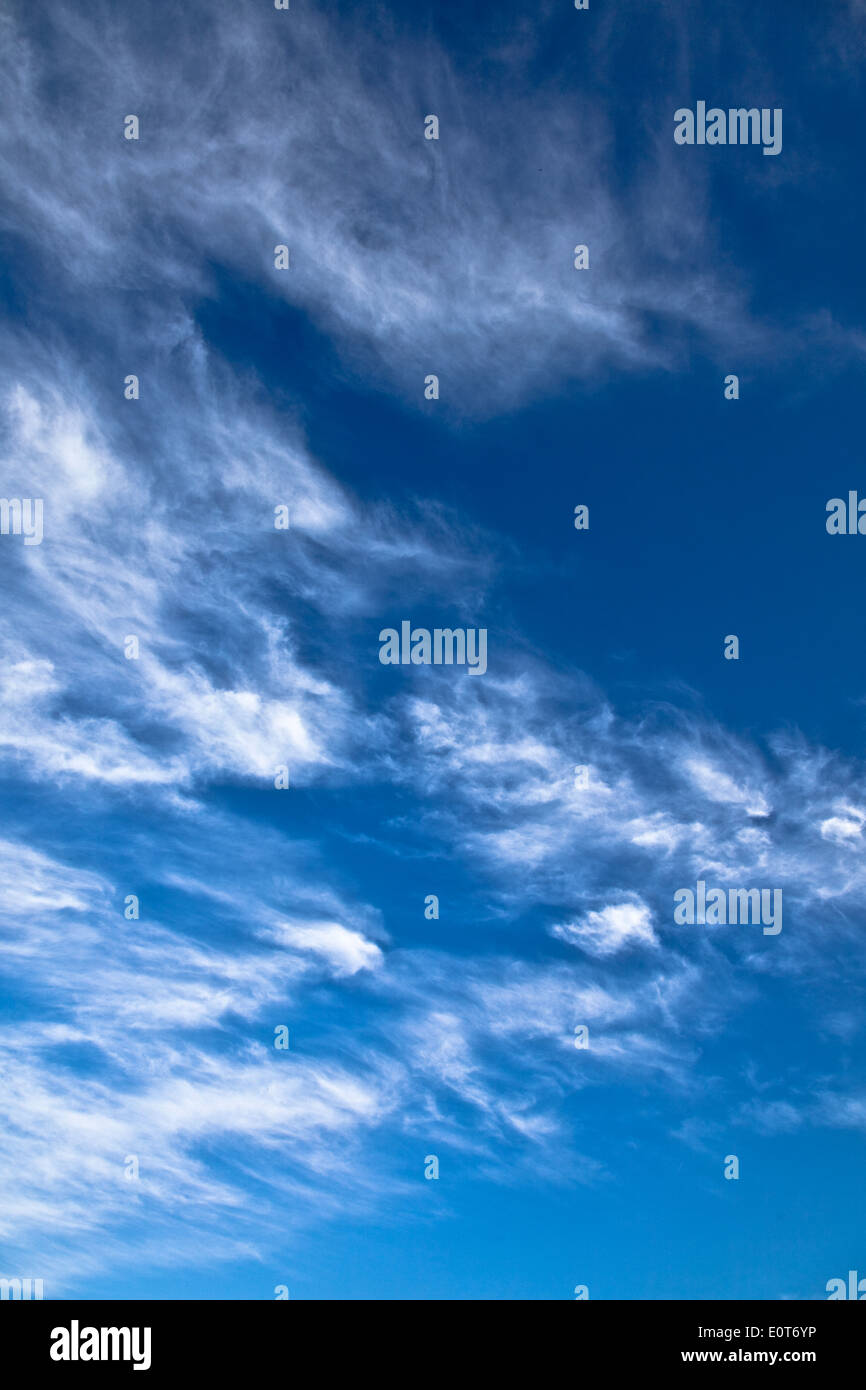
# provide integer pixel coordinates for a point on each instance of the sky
(155, 1142)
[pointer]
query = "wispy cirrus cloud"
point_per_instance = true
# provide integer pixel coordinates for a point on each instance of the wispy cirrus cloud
(154, 776)
(411, 260)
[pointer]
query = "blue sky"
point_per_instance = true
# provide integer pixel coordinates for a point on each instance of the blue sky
(259, 647)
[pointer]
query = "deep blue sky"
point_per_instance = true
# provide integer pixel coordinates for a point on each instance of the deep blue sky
(155, 777)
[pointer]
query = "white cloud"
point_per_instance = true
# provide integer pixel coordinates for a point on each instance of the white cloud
(382, 255)
(346, 951)
(719, 786)
(844, 828)
(613, 929)
(159, 522)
